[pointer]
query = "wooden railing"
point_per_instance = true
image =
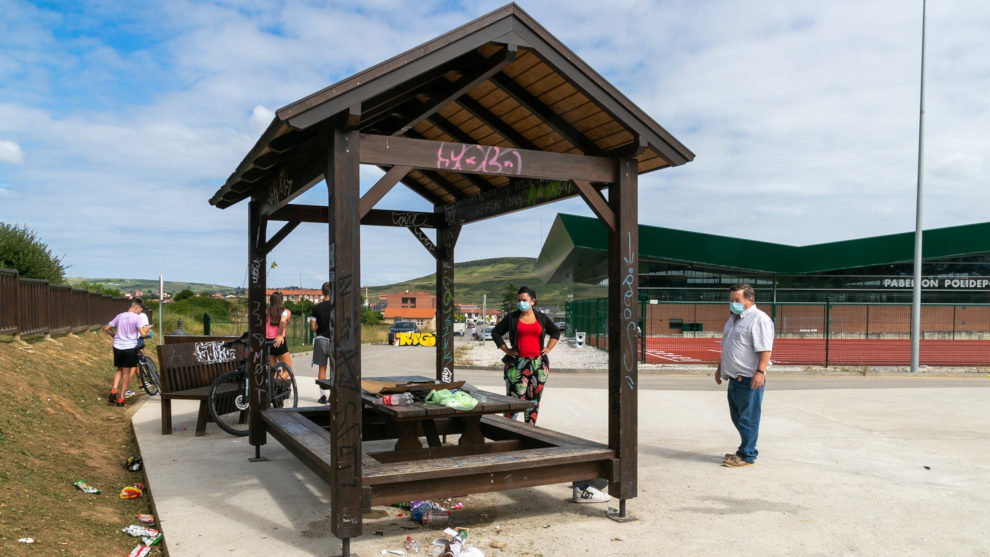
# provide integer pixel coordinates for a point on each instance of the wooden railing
(34, 307)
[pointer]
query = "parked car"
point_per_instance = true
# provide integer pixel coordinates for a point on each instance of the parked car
(486, 333)
(401, 327)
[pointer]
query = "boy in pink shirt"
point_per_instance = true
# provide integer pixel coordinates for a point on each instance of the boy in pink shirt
(129, 329)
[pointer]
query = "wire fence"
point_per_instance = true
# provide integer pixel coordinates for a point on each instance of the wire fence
(821, 334)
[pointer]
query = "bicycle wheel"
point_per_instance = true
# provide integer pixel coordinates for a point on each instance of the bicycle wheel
(282, 387)
(148, 375)
(228, 402)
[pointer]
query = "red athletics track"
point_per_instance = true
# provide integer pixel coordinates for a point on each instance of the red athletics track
(805, 351)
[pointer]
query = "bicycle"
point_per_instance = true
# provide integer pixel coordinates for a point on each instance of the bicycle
(230, 395)
(147, 373)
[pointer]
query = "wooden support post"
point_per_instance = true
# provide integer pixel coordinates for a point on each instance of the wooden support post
(257, 261)
(446, 238)
(623, 307)
(343, 185)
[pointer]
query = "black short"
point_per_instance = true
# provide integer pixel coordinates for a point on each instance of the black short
(279, 350)
(125, 358)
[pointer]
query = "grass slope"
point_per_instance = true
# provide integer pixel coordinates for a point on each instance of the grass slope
(55, 428)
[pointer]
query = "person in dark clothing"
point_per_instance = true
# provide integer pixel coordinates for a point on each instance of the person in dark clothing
(320, 325)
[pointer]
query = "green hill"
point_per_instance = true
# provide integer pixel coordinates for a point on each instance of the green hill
(151, 285)
(473, 279)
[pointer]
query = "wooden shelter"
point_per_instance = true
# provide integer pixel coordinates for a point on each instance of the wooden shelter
(493, 117)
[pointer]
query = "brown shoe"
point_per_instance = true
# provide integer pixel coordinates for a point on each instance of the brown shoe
(727, 456)
(735, 462)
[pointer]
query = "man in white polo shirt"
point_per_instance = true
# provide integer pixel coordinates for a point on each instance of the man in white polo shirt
(747, 340)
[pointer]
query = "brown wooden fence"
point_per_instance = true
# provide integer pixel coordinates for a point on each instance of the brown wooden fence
(34, 307)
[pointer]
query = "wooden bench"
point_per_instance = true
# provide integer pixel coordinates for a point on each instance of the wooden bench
(188, 369)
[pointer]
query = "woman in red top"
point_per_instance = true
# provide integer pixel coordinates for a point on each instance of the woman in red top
(526, 364)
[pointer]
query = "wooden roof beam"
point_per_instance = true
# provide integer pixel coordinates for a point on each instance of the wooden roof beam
(534, 105)
(495, 123)
(478, 72)
(375, 217)
(456, 133)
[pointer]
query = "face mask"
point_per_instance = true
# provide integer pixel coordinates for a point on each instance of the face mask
(735, 307)
(523, 305)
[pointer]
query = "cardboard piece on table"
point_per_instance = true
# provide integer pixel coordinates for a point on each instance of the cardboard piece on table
(388, 387)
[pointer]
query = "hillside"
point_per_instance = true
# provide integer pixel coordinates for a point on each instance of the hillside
(472, 279)
(55, 428)
(151, 285)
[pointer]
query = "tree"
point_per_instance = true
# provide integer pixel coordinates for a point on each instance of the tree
(509, 296)
(183, 294)
(21, 250)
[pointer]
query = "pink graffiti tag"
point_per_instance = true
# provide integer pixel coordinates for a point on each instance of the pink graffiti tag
(479, 158)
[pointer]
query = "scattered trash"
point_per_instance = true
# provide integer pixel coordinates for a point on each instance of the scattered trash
(617, 540)
(379, 533)
(139, 531)
(25, 540)
(412, 546)
(84, 487)
(471, 551)
(393, 552)
(928, 467)
(132, 491)
(179, 428)
(436, 517)
(497, 544)
(139, 551)
(145, 518)
(546, 525)
(399, 515)
(134, 464)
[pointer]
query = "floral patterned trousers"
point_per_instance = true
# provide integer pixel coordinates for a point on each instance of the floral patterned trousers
(525, 379)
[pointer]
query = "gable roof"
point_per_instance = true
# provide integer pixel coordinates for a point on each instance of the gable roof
(499, 80)
(577, 249)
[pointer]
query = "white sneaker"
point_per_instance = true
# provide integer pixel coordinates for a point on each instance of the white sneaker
(589, 495)
(128, 393)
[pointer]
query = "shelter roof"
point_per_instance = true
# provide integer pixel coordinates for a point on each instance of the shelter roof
(577, 249)
(500, 80)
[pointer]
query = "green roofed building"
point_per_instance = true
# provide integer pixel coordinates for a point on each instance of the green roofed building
(678, 265)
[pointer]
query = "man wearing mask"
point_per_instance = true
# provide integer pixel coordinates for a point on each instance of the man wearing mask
(747, 340)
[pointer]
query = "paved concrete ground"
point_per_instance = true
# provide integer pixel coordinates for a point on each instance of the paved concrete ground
(848, 466)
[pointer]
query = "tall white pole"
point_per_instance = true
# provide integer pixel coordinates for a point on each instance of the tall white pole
(161, 298)
(916, 297)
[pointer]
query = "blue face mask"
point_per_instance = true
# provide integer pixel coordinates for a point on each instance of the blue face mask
(735, 307)
(523, 305)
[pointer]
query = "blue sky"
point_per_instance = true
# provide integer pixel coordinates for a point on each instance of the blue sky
(118, 120)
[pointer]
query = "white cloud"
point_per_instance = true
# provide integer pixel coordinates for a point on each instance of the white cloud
(261, 116)
(10, 152)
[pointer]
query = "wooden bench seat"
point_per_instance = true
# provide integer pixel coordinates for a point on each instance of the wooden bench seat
(187, 370)
(557, 458)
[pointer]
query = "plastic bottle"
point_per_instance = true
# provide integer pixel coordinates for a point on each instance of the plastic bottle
(436, 517)
(402, 399)
(411, 545)
(453, 547)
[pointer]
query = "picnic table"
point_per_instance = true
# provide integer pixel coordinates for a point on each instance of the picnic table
(423, 416)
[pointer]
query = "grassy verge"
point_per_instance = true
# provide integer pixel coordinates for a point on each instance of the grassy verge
(55, 428)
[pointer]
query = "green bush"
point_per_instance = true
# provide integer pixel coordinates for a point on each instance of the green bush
(99, 288)
(183, 295)
(21, 250)
(196, 306)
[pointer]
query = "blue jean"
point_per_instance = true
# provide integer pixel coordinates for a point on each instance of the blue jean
(744, 407)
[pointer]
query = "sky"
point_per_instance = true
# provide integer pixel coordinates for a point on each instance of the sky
(119, 120)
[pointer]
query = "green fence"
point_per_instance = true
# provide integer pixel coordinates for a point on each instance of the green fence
(806, 333)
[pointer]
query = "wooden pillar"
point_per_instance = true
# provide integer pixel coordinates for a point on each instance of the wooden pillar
(623, 307)
(343, 181)
(257, 304)
(446, 238)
